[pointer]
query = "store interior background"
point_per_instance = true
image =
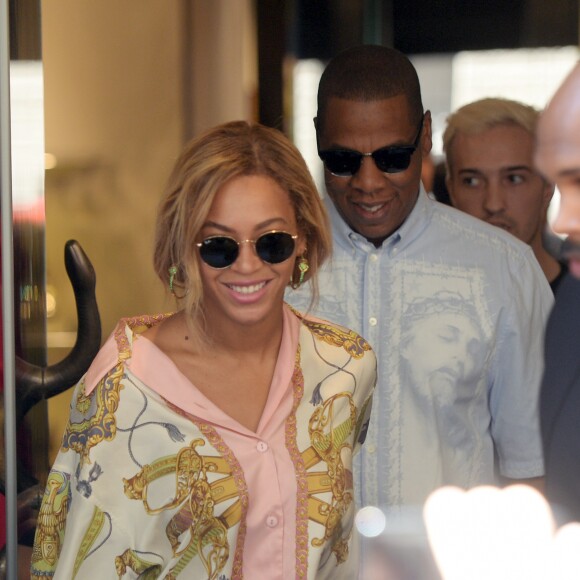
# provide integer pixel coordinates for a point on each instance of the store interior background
(126, 84)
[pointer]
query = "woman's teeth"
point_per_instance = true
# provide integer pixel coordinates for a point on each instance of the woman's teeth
(247, 289)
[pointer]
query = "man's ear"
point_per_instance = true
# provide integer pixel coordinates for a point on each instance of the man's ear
(426, 141)
(548, 194)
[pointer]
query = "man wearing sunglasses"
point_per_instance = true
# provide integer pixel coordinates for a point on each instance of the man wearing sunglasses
(457, 393)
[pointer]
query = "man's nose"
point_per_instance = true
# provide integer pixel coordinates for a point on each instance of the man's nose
(494, 198)
(369, 178)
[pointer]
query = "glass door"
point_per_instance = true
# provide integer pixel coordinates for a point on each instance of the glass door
(24, 452)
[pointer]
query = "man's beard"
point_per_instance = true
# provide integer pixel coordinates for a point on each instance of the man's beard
(570, 248)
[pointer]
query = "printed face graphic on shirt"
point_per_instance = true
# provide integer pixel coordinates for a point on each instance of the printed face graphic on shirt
(442, 345)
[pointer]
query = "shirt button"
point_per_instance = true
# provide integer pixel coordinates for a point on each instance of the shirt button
(372, 321)
(370, 448)
(262, 447)
(374, 258)
(271, 521)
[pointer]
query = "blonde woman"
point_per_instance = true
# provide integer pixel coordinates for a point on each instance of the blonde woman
(217, 442)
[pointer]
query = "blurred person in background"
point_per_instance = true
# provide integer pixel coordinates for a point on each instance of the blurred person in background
(558, 158)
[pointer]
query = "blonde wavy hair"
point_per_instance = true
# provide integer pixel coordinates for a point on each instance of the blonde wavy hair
(206, 164)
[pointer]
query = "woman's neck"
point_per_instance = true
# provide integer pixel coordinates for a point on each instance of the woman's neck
(253, 340)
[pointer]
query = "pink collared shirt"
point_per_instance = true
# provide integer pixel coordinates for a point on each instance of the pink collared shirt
(268, 469)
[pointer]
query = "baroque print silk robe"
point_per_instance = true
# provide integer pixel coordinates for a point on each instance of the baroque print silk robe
(154, 481)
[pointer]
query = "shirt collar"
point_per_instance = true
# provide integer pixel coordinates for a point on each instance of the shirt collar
(415, 223)
(118, 347)
(155, 369)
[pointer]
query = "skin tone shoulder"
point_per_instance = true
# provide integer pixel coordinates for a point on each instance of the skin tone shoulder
(373, 203)
(558, 158)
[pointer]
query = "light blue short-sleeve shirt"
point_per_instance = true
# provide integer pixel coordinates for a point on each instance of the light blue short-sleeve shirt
(455, 310)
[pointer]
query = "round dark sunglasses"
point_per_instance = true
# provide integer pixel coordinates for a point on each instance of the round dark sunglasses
(222, 251)
(394, 159)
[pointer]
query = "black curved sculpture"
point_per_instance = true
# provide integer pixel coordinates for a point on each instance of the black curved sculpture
(35, 383)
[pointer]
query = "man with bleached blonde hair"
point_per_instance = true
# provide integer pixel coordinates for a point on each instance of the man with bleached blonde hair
(489, 147)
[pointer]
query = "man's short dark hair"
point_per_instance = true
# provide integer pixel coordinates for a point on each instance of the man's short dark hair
(369, 73)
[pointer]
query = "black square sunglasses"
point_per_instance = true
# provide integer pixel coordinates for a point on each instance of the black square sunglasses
(222, 251)
(394, 159)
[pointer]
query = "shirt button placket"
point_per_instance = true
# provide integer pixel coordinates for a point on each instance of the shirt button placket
(374, 274)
